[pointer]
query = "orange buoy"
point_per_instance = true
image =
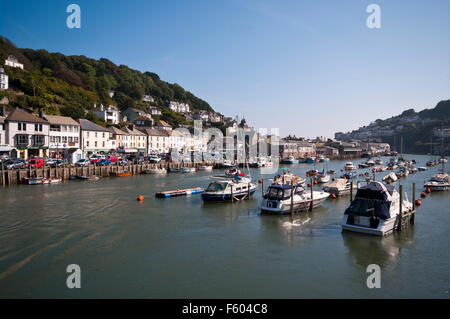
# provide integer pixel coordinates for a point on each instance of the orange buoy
(333, 196)
(260, 181)
(418, 202)
(428, 190)
(140, 198)
(423, 194)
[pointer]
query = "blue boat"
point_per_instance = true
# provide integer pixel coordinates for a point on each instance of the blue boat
(310, 160)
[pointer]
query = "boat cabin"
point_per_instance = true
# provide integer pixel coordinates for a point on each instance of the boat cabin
(282, 192)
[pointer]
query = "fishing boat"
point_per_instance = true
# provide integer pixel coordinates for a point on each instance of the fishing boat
(339, 187)
(290, 160)
(120, 174)
(231, 188)
(278, 199)
(205, 167)
(439, 182)
(310, 160)
(349, 166)
(375, 210)
(188, 169)
(156, 170)
(38, 180)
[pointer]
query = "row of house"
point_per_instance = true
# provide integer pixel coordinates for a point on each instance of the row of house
(24, 135)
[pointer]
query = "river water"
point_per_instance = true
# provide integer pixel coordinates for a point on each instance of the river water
(183, 248)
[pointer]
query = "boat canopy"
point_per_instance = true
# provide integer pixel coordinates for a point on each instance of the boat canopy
(283, 191)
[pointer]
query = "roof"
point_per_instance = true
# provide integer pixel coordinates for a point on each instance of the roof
(20, 115)
(132, 131)
(154, 132)
(142, 118)
(56, 119)
(116, 131)
(162, 123)
(87, 125)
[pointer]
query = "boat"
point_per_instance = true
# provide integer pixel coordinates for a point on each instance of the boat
(156, 170)
(180, 192)
(290, 160)
(363, 165)
(205, 167)
(349, 166)
(278, 199)
(88, 177)
(338, 187)
(312, 172)
(390, 178)
(233, 171)
(310, 160)
(188, 169)
(38, 180)
(443, 160)
(439, 182)
(174, 169)
(227, 164)
(323, 178)
(331, 172)
(375, 210)
(120, 174)
(349, 175)
(402, 172)
(288, 178)
(323, 159)
(231, 188)
(370, 163)
(422, 168)
(379, 162)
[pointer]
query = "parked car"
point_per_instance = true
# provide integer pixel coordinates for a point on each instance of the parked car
(83, 162)
(97, 157)
(59, 163)
(36, 162)
(12, 164)
(122, 161)
(103, 162)
(154, 159)
(113, 159)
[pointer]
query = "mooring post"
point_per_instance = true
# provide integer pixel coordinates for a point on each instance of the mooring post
(3, 173)
(292, 199)
(399, 227)
(262, 187)
(351, 190)
(248, 190)
(232, 198)
(312, 196)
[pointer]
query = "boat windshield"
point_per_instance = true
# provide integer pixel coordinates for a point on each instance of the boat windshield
(277, 193)
(217, 186)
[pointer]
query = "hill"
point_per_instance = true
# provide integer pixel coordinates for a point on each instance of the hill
(420, 131)
(71, 85)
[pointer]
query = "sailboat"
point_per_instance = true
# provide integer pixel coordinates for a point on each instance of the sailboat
(440, 181)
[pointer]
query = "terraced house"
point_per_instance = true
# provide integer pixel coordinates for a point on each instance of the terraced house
(64, 137)
(27, 134)
(94, 138)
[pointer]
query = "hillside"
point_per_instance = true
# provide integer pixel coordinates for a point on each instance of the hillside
(71, 85)
(420, 131)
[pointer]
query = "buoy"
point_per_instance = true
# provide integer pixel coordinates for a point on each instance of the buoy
(418, 202)
(333, 195)
(307, 174)
(140, 198)
(309, 184)
(315, 182)
(260, 181)
(428, 190)
(423, 195)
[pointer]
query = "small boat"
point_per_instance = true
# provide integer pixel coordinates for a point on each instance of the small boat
(339, 187)
(278, 199)
(227, 164)
(349, 166)
(188, 169)
(288, 178)
(120, 174)
(363, 165)
(38, 180)
(323, 178)
(156, 170)
(180, 192)
(374, 210)
(390, 178)
(370, 163)
(312, 172)
(443, 160)
(290, 160)
(227, 189)
(439, 182)
(88, 177)
(422, 168)
(310, 160)
(174, 170)
(331, 172)
(205, 167)
(233, 171)
(379, 161)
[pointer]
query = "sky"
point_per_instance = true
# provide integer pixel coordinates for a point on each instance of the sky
(308, 67)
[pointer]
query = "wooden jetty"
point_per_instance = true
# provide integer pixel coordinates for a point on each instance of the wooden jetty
(180, 192)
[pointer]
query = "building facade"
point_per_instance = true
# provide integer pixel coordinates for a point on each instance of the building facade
(4, 80)
(64, 137)
(110, 114)
(94, 138)
(13, 62)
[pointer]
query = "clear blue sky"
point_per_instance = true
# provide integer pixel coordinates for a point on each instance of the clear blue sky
(309, 67)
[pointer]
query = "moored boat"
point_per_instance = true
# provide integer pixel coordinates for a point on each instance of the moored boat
(120, 174)
(228, 189)
(205, 167)
(338, 187)
(38, 180)
(156, 170)
(349, 166)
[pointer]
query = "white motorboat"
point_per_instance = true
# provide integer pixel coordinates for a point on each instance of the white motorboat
(390, 178)
(349, 166)
(290, 160)
(188, 169)
(226, 189)
(38, 181)
(323, 178)
(156, 170)
(379, 161)
(278, 199)
(339, 187)
(375, 210)
(288, 178)
(439, 182)
(205, 167)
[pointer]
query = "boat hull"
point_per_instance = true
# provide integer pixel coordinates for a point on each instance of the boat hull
(222, 197)
(383, 227)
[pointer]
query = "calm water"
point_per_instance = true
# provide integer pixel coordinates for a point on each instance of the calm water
(182, 248)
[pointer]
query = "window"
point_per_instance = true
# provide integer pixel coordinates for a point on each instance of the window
(103, 144)
(95, 143)
(22, 139)
(103, 135)
(36, 127)
(40, 127)
(75, 139)
(87, 143)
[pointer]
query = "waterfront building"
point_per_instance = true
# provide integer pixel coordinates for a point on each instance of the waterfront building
(177, 140)
(3, 80)
(132, 113)
(27, 134)
(12, 61)
(162, 125)
(118, 139)
(5, 148)
(154, 110)
(94, 138)
(110, 114)
(157, 141)
(143, 121)
(179, 107)
(296, 147)
(64, 136)
(137, 140)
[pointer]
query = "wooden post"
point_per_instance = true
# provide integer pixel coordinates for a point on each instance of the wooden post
(3, 173)
(232, 198)
(292, 199)
(413, 214)
(399, 227)
(262, 187)
(248, 190)
(312, 196)
(351, 190)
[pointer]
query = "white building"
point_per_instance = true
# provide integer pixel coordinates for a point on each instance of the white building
(110, 114)
(94, 138)
(13, 62)
(154, 110)
(177, 140)
(64, 137)
(3, 80)
(5, 148)
(179, 107)
(26, 134)
(148, 98)
(158, 141)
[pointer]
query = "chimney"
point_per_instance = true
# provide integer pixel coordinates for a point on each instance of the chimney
(41, 113)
